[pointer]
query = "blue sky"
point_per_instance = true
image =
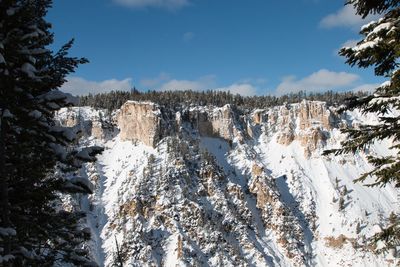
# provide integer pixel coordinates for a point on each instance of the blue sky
(244, 46)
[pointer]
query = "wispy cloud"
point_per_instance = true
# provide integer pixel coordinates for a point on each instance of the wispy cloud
(345, 17)
(203, 83)
(80, 86)
(152, 83)
(320, 81)
(163, 82)
(244, 89)
(166, 4)
(188, 36)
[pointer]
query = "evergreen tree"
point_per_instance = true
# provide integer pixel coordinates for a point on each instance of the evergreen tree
(358, 228)
(380, 48)
(341, 203)
(37, 164)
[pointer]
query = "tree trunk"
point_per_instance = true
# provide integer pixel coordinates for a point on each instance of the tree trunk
(119, 261)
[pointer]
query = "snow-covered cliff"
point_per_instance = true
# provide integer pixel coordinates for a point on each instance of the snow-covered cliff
(210, 186)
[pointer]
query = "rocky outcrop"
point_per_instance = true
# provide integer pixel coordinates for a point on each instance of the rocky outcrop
(285, 137)
(276, 216)
(196, 201)
(257, 116)
(311, 140)
(313, 113)
(140, 121)
(216, 122)
(98, 130)
(90, 122)
(307, 122)
(70, 120)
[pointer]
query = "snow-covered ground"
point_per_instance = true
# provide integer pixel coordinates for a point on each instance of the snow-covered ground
(188, 202)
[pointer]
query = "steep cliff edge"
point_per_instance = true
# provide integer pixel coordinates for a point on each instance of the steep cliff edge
(140, 121)
(308, 122)
(208, 186)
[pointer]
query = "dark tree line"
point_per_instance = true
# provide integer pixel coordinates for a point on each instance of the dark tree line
(176, 99)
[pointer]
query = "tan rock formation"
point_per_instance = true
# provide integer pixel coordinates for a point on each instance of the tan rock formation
(235, 190)
(305, 122)
(286, 137)
(264, 196)
(140, 121)
(277, 216)
(97, 130)
(131, 208)
(312, 138)
(256, 170)
(90, 123)
(311, 112)
(257, 117)
(216, 122)
(71, 121)
(180, 247)
(223, 123)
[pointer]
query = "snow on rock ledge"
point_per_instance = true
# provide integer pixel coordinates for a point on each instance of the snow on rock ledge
(89, 121)
(211, 194)
(308, 122)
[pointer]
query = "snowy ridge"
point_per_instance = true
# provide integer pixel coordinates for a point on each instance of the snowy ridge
(255, 197)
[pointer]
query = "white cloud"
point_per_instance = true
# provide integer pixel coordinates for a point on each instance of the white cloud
(167, 4)
(319, 81)
(163, 82)
(151, 83)
(255, 81)
(188, 36)
(369, 87)
(244, 89)
(203, 83)
(345, 17)
(80, 86)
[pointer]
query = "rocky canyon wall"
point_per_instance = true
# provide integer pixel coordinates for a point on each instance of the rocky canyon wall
(140, 121)
(308, 122)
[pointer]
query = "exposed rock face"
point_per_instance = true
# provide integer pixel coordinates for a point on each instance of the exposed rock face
(140, 121)
(195, 201)
(90, 123)
(223, 123)
(216, 122)
(256, 170)
(98, 130)
(277, 216)
(308, 122)
(257, 116)
(315, 112)
(286, 137)
(203, 124)
(311, 139)
(71, 120)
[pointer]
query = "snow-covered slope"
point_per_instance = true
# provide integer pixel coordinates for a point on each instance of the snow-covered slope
(223, 187)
